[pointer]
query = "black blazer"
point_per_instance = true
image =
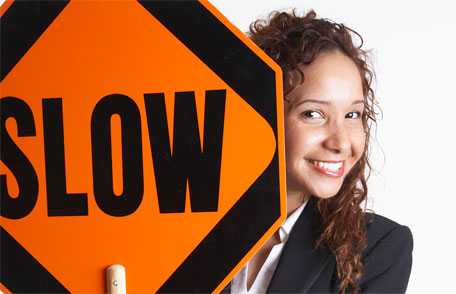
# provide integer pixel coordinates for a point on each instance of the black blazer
(303, 269)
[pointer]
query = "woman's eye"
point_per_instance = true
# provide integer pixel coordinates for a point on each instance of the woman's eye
(311, 114)
(353, 115)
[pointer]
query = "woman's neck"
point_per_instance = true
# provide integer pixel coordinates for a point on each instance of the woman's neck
(294, 200)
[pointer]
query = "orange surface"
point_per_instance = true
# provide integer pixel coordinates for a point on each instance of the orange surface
(5, 5)
(98, 48)
(4, 290)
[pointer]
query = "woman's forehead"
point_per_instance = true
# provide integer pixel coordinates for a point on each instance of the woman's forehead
(332, 78)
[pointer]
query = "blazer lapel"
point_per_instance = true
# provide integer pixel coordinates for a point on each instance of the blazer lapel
(300, 264)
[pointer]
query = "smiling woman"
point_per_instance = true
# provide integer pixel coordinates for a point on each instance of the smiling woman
(328, 242)
(324, 133)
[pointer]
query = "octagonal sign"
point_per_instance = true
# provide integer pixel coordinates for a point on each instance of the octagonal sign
(141, 133)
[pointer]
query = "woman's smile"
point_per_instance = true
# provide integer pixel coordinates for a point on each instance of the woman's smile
(328, 168)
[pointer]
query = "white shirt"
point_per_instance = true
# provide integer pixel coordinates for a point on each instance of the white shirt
(264, 276)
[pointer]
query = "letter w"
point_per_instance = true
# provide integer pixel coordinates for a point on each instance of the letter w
(187, 161)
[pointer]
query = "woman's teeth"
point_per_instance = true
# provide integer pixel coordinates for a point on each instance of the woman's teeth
(331, 166)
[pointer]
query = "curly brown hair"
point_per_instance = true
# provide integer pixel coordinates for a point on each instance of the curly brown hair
(293, 40)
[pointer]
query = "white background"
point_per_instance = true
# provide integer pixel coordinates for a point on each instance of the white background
(414, 46)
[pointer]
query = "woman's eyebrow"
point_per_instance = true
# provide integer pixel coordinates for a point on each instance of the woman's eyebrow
(358, 102)
(324, 102)
(312, 101)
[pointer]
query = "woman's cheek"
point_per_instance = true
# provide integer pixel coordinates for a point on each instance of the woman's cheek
(358, 141)
(296, 137)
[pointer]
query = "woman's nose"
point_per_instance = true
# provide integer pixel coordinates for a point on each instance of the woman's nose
(338, 140)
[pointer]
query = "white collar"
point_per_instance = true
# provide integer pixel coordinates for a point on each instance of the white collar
(287, 226)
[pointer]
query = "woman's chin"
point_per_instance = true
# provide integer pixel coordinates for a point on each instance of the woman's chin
(326, 191)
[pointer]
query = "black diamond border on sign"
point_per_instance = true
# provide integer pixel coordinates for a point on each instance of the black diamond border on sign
(21, 25)
(208, 38)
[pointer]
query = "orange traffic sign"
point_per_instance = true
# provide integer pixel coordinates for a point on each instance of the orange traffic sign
(141, 133)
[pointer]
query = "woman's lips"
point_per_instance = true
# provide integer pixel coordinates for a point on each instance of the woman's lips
(328, 168)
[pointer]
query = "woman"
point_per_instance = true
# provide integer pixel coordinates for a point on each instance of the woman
(328, 243)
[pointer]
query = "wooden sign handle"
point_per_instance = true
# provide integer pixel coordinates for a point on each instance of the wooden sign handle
(116, 282)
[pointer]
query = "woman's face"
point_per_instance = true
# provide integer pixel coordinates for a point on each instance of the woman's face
(324, 134)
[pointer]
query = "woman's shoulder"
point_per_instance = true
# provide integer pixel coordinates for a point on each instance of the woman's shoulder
(382, 230)
(388, 255)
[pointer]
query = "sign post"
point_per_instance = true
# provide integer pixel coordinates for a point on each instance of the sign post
(134, 133)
